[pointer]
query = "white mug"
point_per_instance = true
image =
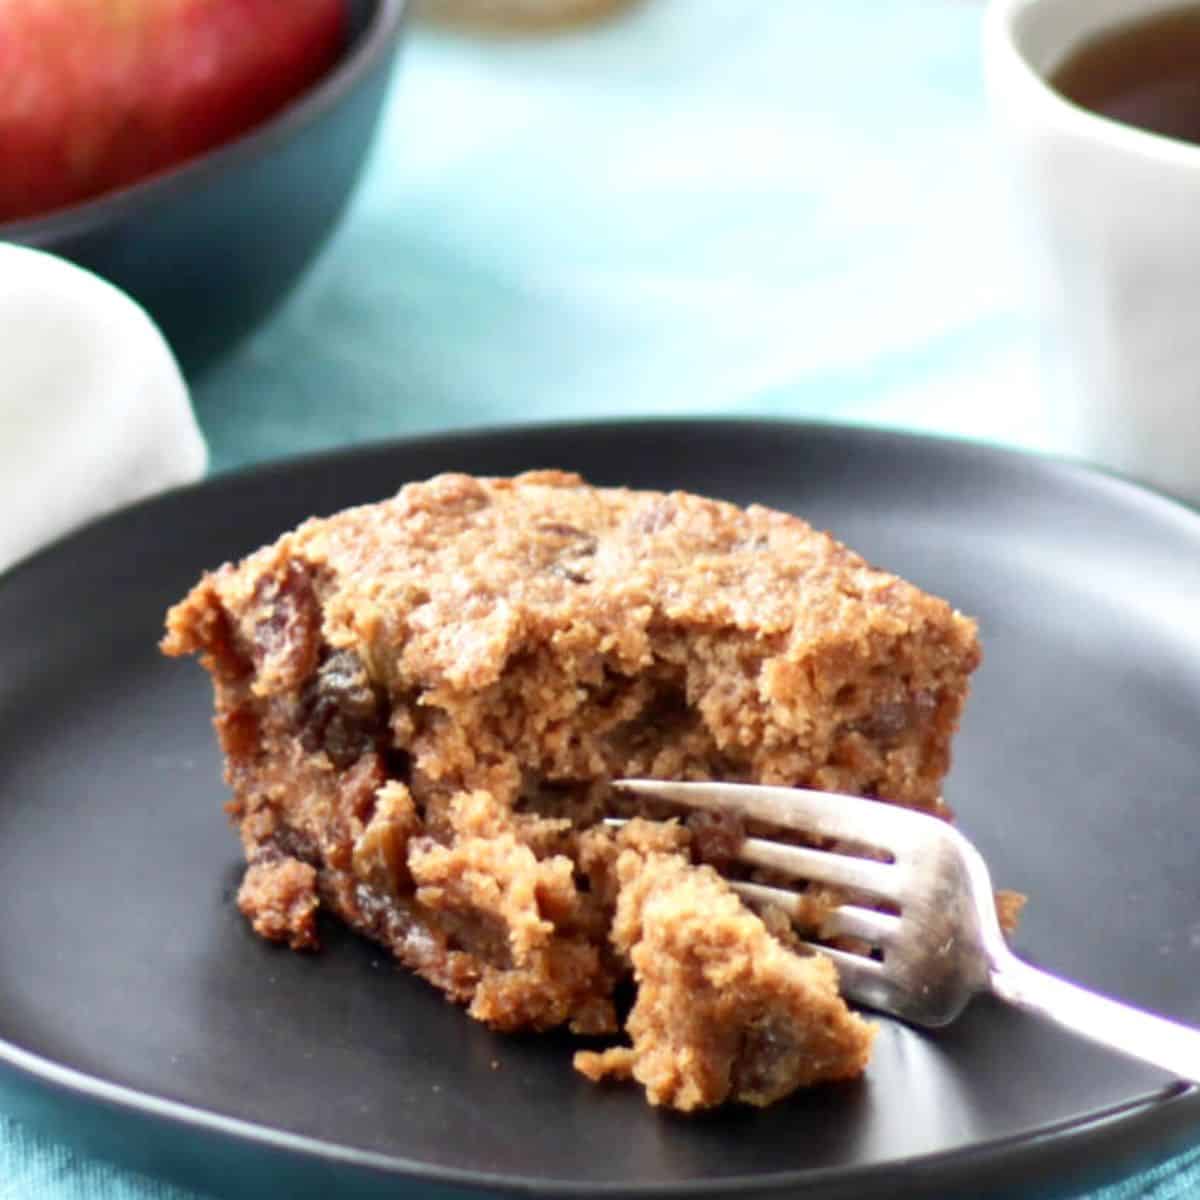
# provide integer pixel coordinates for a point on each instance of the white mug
(1111, 218)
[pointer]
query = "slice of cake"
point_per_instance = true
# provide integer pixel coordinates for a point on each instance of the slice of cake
(422, 703)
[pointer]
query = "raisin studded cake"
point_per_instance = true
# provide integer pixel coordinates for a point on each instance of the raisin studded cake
(422, 703)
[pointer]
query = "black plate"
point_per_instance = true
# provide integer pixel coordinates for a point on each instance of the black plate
(141, 1019)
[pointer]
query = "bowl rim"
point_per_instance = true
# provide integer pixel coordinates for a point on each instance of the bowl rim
(374, 44)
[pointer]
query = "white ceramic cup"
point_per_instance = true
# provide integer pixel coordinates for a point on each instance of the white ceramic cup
(1111, 224)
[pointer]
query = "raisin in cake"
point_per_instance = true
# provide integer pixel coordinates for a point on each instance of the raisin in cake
(422, 702)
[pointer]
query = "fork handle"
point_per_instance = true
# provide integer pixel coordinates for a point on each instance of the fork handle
(1166, 1044)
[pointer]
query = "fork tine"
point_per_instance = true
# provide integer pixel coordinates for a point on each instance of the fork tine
(861, 978)
(870, 823)
(821, 866)
(847, 920)
(814, 812)
(791, 903)
(817, 866)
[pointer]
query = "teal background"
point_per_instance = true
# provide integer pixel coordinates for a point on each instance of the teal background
(703, 207)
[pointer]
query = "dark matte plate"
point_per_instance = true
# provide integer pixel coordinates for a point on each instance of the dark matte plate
(143, 1020)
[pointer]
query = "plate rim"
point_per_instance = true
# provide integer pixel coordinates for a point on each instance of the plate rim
(1151, 1126)
(947, 1167)
(1080, 471)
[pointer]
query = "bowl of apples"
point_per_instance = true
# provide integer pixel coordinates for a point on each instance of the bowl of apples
(196, 153)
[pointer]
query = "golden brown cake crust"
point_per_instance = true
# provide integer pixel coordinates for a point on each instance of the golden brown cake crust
(422, 701)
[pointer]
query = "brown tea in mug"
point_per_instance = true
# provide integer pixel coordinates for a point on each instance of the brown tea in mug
(1145, 72)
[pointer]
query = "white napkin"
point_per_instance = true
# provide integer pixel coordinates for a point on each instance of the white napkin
(94, 412)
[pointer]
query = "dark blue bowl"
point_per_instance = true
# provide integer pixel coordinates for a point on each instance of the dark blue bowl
(210, 247)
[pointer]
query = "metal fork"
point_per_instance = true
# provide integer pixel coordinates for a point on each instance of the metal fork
(945, 946)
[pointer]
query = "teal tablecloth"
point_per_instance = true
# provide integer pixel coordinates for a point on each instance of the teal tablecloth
(787, 208)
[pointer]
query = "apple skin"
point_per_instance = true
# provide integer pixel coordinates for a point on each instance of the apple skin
(96, 94)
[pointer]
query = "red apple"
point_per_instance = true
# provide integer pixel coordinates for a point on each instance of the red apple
(95, 94)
